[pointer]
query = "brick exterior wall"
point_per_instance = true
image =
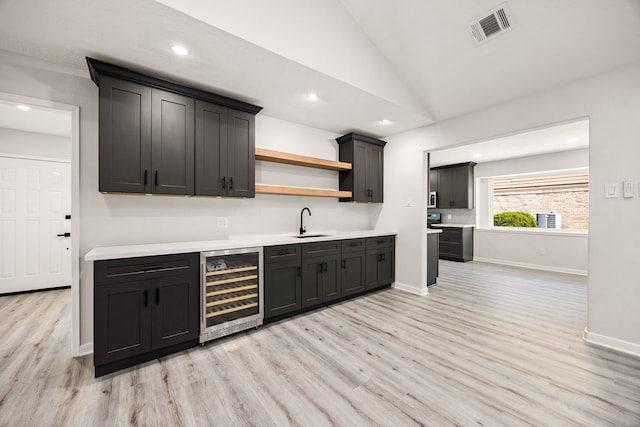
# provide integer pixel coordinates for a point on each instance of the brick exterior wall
(572, 204)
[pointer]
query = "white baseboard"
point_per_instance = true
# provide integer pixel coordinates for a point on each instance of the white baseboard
(611, 343)
(532, 266)
(86, 349)
(411, 289)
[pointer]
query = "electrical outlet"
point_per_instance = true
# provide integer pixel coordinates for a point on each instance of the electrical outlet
(223, 222)
(628, 191)
(449, 216)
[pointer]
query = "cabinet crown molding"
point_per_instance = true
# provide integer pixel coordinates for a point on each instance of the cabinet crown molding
(358, 137)
(98, 68)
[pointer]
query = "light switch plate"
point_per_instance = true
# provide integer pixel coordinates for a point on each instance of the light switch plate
(612, 190)
(628, 191)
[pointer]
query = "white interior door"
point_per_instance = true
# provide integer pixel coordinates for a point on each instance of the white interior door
(35, 197)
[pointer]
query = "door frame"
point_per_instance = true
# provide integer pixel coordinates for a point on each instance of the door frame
(75, 206)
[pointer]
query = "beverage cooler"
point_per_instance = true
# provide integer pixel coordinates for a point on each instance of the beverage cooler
(232, 292)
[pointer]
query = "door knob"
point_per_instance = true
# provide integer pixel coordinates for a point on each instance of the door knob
(64, 235)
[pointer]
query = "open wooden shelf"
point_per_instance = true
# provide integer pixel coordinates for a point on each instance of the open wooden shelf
(298, 160)
(298, 191)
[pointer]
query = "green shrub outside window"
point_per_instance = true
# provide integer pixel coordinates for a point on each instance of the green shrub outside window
(514, 219)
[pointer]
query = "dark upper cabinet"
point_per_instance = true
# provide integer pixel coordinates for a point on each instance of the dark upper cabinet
(455, 186)
(282, 280)
(433, 180)
(366, 178)
(172, 143)
(225, 151)
(160, 137)
(125, 136)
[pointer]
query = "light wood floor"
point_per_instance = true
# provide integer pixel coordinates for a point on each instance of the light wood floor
(489, 346)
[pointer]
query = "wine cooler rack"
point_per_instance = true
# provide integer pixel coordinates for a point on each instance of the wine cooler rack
(231, 292)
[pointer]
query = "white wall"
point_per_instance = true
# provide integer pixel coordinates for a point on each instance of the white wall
(612, 103)
(14, 141)
(127, 219)
(540, 249)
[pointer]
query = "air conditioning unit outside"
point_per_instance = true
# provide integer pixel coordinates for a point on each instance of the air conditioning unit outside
(549, 220)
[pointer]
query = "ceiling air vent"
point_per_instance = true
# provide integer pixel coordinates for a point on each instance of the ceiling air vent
(496, 22)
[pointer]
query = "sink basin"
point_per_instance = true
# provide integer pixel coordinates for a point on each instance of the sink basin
(306, 236)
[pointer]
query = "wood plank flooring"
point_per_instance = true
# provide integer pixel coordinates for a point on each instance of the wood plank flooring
(489, 345)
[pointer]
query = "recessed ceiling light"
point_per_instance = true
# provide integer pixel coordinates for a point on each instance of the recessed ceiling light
(573, 140)
(311, 96)
(385, 122)
(179, 50)
(475, 156)
(24, 107)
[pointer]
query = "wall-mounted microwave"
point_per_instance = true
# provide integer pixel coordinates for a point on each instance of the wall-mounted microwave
(433, 198)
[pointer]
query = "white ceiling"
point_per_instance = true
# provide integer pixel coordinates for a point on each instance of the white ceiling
(409, 61)
(564, 137)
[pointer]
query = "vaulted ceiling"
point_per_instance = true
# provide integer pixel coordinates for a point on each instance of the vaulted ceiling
(412, 62)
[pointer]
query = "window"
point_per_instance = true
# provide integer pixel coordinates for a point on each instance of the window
(559, 200)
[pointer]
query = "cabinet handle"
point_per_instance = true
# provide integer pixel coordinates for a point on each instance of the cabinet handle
(144, 179)
(156, 178)
(146, 297)
(344, 264)
(150, 268)
(157, 296)
(319, 269)
(353, 245)
(384, 257)
(325, 267)
(231, 183)
(224, 182)
(298, 271)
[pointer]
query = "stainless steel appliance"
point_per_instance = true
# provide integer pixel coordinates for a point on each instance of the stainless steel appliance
(232, 292)
(433, 218)
(433, 199)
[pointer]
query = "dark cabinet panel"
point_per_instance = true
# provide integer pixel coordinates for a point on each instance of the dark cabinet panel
(172, 143)
(456, 244)
(312, 269)
(353, 272)
(379, 261)
(321, 276)
(122, 321)
(175, 313)
(125, 136)
(455, 186)
(432, 258)
(225, 146)
(282, 280)
(241, 154)
(142, 306)
(211, 146)
(366, 178)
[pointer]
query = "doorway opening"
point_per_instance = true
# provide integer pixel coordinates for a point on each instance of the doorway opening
(39, 199)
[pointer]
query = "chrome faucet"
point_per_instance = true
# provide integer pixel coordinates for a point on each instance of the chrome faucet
(302, 229)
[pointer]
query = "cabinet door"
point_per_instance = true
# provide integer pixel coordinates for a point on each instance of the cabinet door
(282, 287)
(122, 321)
(374, 172)
(433, 180)
(463, 187)
(372, 259)
(241, 154)
(211, 148)
(175, 310)
(312, 292)
(360, 188)
(353, 273)
(331, 278)
(172, 143)
(125, 136)
(445, 188)
(386, 267)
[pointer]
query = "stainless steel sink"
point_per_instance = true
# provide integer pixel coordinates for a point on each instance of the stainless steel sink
(306, 236)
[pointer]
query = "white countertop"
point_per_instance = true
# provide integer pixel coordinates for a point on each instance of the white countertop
(130, 251)
(453, 225)
(432, 231)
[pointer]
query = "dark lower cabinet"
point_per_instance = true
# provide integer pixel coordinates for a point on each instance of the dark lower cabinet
(282, 280)
(380, 261)
(433, 254)
(352, 266)
(320, 272)
(456, 243)
(144, 308)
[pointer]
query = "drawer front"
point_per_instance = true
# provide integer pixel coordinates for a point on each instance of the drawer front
(450, 249)
(281, 253)
(322, 248)
(353, 245)
(453, 235)
(380, 242)
(142, 268)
